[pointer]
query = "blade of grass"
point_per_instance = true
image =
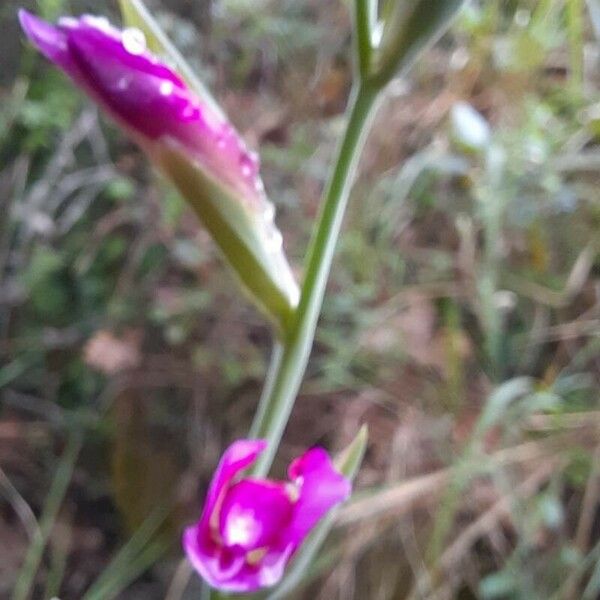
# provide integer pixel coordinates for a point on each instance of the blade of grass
(495, 408)
(55, 497)
(113, 587)
(140, 552)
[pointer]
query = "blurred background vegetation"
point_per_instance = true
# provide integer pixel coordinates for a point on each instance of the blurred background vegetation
(462, 321)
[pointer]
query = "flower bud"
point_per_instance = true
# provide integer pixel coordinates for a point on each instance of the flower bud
(186, 137)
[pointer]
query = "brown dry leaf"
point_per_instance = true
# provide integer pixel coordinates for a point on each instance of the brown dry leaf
(110, 354)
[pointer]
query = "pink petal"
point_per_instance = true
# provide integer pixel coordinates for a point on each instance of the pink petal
(49, 39)
(217, 565)
(146, 96)
(215, 562)
(321, 487)
(241, 454)
(150, 100)
(227, 569)
(127, 46)
(254, 514)
(267, 573)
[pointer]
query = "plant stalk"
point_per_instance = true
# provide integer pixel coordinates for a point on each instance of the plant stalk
(289, 362)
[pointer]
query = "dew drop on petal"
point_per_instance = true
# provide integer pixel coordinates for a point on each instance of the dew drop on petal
(268, 211)
(134, 41)
(68, 22)
(166, 88)
(123, 83)
(260, 188)
(97, 22)
(223, 135)
(253, 158)
(249, 164)
(274, 240)
(190, 112)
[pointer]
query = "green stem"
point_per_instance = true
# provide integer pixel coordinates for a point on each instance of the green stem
(289, 362)
(364, 17)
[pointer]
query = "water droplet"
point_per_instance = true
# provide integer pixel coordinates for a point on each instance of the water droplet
(166, 88)
(123, 83)
(97, 22)
(190, 112)
(223, 135)
(68, 22)
(249, 164)
(253, 158)
(134, 41)
(268, 211)
(260, 188)
(275, 240)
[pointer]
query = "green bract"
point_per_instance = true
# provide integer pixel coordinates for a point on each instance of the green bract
(240, 223)
(249, 241)
(409, 27)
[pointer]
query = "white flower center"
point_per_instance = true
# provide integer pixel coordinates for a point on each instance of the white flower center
(242, 527)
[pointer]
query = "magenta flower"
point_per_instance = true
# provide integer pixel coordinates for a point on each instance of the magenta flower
(187, 137)
(143, 94)
(250, 528)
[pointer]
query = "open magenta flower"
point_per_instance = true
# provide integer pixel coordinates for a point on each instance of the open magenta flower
(186, 136)
(250, 528)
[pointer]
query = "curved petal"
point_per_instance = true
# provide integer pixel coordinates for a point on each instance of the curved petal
(153, 102)
(229, 570)
(320, 486)
(127, 46)
(215, 562)
(217, 565)
(50, 40)
(241, 454)
(266, 573)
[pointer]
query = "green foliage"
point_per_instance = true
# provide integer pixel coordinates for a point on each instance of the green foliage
(461, 317)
